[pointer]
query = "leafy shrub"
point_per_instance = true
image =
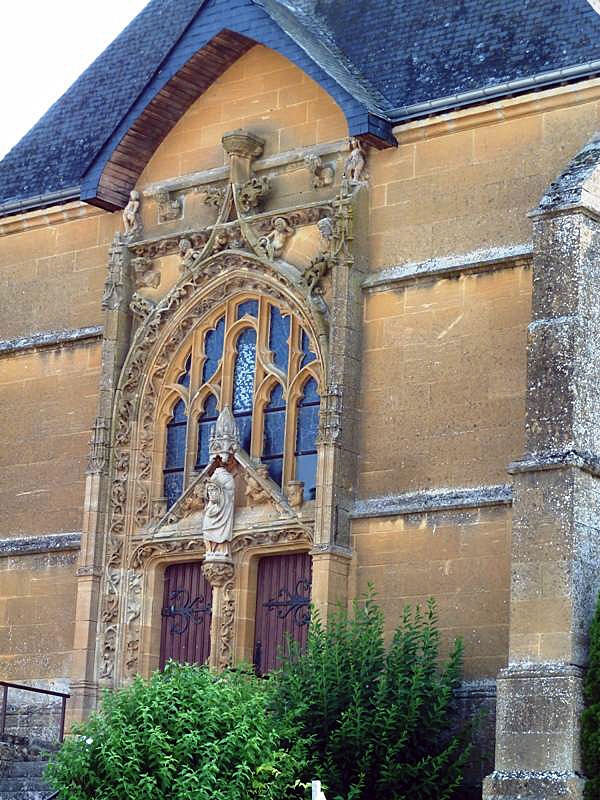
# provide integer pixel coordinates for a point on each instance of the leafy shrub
(379, 722)
(590, 719)
(186, 733)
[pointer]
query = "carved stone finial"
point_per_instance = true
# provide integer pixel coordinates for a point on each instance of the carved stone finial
(113, 287)
(132, 221)
(355, 162)
(274, 242)
(225, 437)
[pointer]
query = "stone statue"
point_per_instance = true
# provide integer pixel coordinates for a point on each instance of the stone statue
(217, 524)
(355, 162)
(274, 242)
(132, 223)
(187, 254)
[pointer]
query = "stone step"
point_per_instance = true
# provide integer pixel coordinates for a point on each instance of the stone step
(17, 769)
(23, 784)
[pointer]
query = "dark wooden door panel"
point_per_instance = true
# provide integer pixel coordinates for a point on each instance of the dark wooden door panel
(186, 613)
(282, 606)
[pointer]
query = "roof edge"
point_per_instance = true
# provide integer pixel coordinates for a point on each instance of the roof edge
(401, 114)
(37, 201)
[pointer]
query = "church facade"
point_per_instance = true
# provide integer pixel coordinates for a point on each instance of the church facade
(269, 336)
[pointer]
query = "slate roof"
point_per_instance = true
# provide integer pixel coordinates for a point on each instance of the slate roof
(395, 56)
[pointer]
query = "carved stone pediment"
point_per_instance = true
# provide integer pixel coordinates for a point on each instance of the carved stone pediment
(259, 500)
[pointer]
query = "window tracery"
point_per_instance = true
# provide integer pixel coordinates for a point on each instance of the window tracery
(255, 357)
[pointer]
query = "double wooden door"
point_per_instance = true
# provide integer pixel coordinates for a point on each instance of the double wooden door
(186, 613)
(282, 606)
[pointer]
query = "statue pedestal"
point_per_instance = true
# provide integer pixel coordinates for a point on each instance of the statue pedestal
(219, 572)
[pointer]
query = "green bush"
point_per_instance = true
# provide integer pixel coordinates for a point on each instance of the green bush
(590, 719)
(184, 734)
(380, 723)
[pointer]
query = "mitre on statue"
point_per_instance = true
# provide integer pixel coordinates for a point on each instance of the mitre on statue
(225, 437)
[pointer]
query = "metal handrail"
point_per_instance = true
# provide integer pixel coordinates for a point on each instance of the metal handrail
(6, 685)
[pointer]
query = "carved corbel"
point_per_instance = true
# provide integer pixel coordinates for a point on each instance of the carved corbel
(169, 208)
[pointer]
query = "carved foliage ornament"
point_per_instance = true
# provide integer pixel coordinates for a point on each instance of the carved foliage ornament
(184, 304)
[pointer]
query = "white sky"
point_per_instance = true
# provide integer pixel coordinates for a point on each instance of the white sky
(44, 47)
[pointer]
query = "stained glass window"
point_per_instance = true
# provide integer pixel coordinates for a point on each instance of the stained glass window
(279, 334)
(175, 453)
(248, 357)
(249, 307)
(213, 349)
(243, 385)
(307, 353)
(307, 427)
(206, 421)
(184, 379)
(274, 434)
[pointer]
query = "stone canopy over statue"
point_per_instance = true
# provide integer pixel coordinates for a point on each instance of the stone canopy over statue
(217, 523)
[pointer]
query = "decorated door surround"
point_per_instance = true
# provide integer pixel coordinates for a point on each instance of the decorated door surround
(130, 535)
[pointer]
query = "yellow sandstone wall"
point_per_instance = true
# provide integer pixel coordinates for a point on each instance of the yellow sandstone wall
(471, 189)
(444, 362)
(262, 92)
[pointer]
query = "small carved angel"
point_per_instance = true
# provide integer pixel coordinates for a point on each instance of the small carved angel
(221, 242)
(274, 242)
(325, 228)
(355, 162)
(132, 222)
(187, 254)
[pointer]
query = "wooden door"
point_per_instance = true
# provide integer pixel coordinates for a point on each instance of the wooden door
(186, 613)
(282, 606)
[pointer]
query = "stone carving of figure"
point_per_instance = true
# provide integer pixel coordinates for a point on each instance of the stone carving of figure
(132, 223)
(187, 254)
(355, 162)
(217, 524)
(274, 242)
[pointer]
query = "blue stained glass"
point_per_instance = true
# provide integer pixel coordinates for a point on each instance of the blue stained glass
(307, 353)
(279, 334)
(173, 487)
(306, 438)
(184, 379)
(243, 376)
(175, 454)
(206, 422)
(213, 349)
(274, 434)
(176, 435)
(249, 307)
(306, 470)
(243, 385)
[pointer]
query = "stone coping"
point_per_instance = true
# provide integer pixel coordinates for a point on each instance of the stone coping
(44, 543)
(49, 339)
(433, 500)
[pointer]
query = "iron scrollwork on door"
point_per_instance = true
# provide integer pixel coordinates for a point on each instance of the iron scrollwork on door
(296, 603)
(180, 606)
